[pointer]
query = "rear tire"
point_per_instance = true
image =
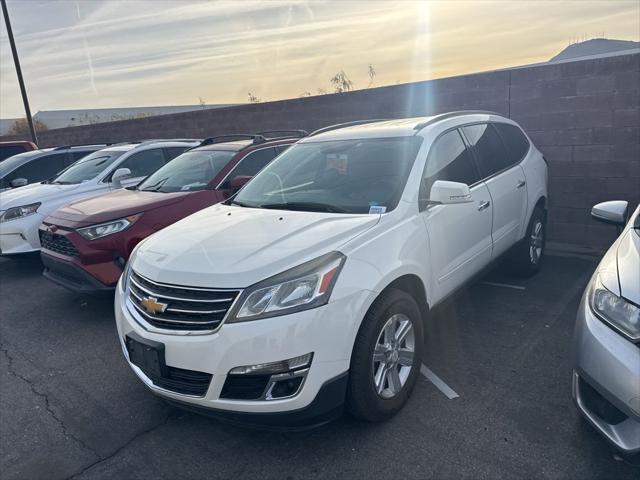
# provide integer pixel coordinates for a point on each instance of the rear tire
(386, 357)
(527, 256)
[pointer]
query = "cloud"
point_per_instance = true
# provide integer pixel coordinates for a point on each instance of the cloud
(81, 54)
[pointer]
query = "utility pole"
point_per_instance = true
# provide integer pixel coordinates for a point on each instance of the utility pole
(16, 62)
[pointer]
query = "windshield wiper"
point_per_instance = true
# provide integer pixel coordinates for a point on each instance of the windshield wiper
(242, 204)
(156, 186)
(305, 206)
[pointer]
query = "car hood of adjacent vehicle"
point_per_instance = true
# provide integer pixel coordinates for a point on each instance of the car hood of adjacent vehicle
(233, 247)
(619, 270)
(112, 206)
(629, 265)
(36, 192)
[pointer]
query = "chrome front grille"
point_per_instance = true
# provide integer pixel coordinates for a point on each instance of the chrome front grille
(173, 307)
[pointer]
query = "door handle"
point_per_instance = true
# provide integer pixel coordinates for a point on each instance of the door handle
(483, 205)
(521, 183)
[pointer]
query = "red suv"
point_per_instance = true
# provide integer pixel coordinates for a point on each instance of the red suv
(93, 238)
(9, 149)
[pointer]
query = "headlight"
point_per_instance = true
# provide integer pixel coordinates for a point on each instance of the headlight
(618, 312)
(19, 212)
(301, 288)
(107, 228)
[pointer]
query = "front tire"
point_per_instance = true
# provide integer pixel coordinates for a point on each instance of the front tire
(386, 357)
(527, 255)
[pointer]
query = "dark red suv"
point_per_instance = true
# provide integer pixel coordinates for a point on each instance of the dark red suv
(89, 242)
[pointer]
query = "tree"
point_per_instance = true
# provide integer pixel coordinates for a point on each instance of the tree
(304, 94)
(21, 127)
(202, 102)
(341, 82)
(371, 73)
(253, 98)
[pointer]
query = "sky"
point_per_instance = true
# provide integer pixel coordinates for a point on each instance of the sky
(106, 53)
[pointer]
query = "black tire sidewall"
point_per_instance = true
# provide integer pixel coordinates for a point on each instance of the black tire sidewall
(362, 398)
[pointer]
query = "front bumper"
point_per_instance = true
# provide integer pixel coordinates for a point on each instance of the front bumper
(328, 332)
(20, 235)
(70, 275)
(606, 380)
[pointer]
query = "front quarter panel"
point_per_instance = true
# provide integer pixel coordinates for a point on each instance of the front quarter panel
(395, 247)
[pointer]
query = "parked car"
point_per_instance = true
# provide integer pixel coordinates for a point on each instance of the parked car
(39, 165)
(23, 209)
(9, 149)
(308, 289)
(93, 238)
(606, 372)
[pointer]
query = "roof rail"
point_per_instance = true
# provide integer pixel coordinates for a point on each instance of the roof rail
(65, 147)
(257, 139)
(297, 133)
(346, 124)
(444, 116)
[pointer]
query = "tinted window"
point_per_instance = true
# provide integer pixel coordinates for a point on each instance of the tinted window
(88, 167)
(281, 148)
(144, 163)
(515, 141)
(190, 171)
(335, 176)
(10, 150)
(450, 160)
(252, 164)
(172, 152)
(37, 170)
(489, 148)
(77, 155)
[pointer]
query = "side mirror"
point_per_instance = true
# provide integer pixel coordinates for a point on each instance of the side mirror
(119, 175)
(449, 193)
(239, 181)
(18, 182)
(614, 212)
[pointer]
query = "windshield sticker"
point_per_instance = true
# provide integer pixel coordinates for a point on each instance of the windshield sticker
(377, 209)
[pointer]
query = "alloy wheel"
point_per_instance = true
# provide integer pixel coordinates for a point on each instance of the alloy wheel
(393, 356)
(536, 242)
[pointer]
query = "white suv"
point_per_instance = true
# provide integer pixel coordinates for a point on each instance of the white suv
(23, 209)
(309, 288)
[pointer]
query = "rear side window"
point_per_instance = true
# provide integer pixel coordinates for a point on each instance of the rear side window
(515, 141)
(144, 163)
(37, 170)
(449, 159)
(10, 150)
(173, 152)
(489, 148)
(251, 164)
(75, 156)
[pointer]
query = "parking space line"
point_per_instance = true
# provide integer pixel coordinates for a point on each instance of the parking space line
(438, 382)
(504, 285)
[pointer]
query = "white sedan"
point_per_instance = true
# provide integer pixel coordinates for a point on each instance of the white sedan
(22, 210)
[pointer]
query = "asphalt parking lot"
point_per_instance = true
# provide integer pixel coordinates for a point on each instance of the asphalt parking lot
(499, 405)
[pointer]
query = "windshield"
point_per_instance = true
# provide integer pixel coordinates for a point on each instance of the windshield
(17, 160)
(88, 167)
(190, 171)
(346, 176)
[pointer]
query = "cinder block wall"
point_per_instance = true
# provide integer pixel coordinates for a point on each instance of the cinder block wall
(583, 115)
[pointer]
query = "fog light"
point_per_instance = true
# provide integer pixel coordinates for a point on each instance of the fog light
(285, 388)
(282, 366)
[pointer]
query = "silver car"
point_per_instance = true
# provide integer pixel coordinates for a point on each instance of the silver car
(606, 371)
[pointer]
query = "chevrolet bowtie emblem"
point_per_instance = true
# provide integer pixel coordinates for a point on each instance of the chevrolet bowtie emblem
(152, 306)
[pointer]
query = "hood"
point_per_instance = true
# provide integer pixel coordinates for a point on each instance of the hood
(36, 192)
(233, 247)
(114, 205)
(619, 270)
(629, 265)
